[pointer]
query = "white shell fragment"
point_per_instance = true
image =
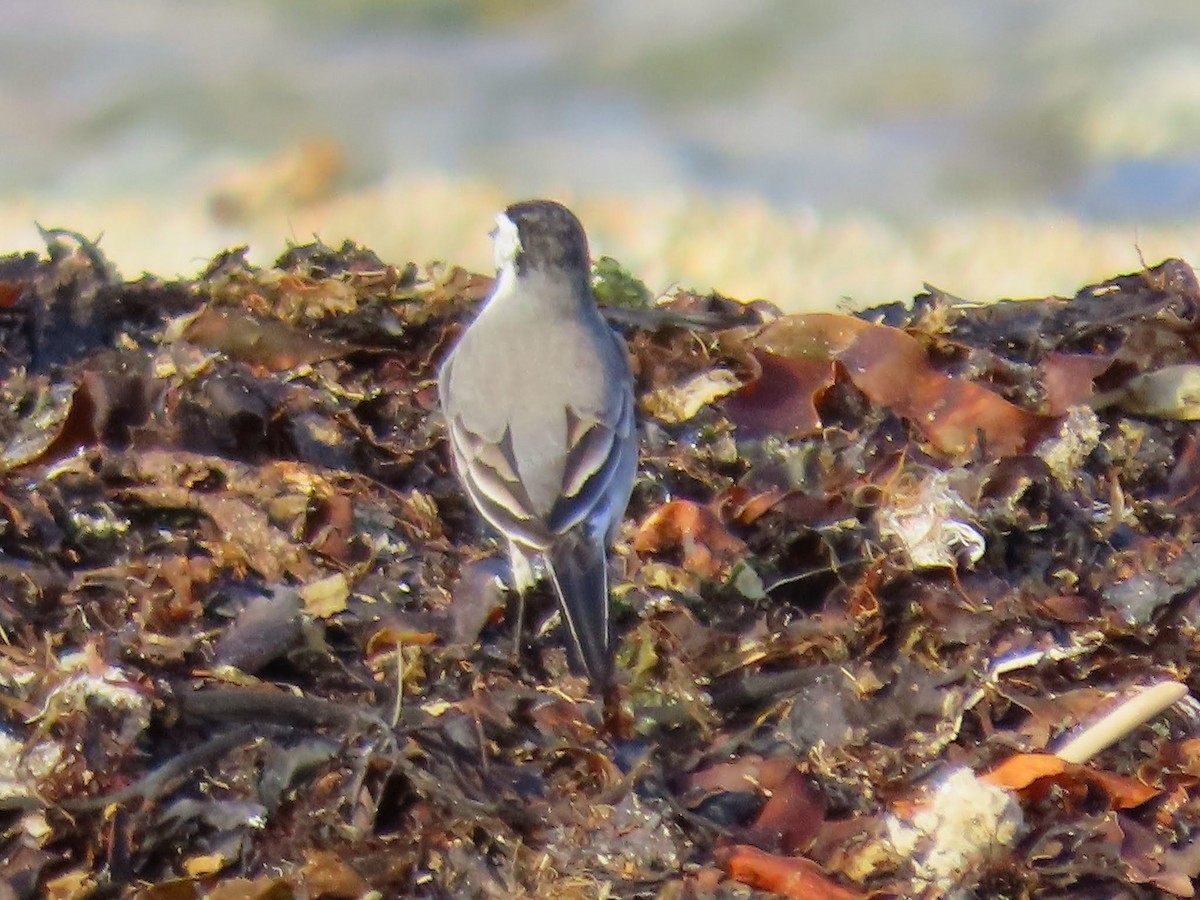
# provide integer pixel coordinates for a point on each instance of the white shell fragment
(966, 824)
(931, 523)
(1172, 392)
(680, 402)
(109, 687)
(1067, 450)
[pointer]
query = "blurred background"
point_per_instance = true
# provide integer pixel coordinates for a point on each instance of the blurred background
(815, 154)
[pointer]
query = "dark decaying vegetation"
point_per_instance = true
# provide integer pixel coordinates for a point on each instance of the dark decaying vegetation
(908, 601)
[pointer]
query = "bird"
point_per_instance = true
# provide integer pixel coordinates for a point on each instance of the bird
(538, 398)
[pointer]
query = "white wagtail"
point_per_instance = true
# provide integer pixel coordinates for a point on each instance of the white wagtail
(538, 400)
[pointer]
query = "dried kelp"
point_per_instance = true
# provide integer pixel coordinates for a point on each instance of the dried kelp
(890, 590)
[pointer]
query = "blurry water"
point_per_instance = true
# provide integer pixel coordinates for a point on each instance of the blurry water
(911, 109)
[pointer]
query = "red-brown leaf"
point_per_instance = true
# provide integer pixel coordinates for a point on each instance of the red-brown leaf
(891, 368)
(789, 876)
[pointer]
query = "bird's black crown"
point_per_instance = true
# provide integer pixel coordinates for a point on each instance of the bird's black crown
(551, 237)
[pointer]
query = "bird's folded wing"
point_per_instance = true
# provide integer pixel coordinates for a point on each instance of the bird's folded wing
(489, 472)
(594, 452)
(491, 475)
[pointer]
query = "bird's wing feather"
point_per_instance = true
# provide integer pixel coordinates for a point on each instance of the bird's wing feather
(535, 473)
(589, 445)
(591, 463)
(489, 474)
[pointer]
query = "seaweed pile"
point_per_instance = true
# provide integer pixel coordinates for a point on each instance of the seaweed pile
(908, 600)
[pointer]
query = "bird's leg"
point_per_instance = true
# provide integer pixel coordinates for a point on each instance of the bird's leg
(522, 580)
(516, 650)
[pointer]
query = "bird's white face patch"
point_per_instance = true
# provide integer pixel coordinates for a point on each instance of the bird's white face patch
(506, 242)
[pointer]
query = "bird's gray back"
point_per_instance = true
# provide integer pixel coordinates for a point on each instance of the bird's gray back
(519, 368)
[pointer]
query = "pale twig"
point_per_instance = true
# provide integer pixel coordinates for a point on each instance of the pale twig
(1122, 719)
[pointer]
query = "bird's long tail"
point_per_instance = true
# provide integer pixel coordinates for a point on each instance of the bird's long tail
(577, 567)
